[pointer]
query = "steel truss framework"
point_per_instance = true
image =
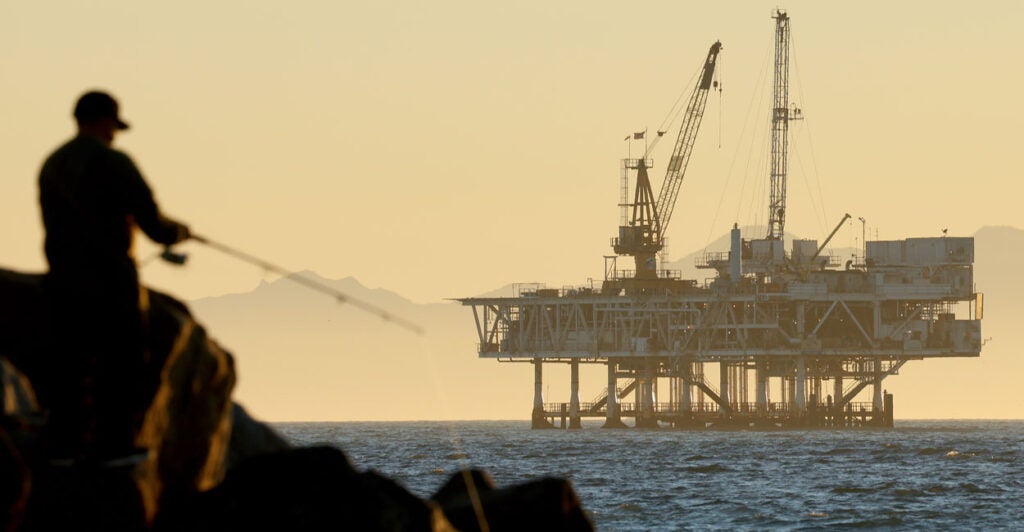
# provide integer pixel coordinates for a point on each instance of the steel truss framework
(761, 335)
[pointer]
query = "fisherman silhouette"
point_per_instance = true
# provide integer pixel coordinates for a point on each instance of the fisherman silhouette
(97, 380)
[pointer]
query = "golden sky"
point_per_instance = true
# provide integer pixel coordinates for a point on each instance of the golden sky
(443, 149)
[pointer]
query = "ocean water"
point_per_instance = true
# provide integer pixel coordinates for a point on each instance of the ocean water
(919, 475)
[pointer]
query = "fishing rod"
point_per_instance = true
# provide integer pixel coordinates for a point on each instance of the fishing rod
(179, 258)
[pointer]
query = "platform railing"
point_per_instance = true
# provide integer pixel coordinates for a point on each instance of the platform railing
(710, 259)
(776, 409)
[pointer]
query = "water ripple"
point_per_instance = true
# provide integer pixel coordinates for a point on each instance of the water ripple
(921, 475)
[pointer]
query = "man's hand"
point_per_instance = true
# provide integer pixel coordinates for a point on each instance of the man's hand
(184, 233)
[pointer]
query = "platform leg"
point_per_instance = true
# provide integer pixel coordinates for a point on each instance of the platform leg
(876, 396)
(801, 383)
(839, 419)
(538, 419)
(761, 387)
(645, 397)
(574, 394)
(613, 419)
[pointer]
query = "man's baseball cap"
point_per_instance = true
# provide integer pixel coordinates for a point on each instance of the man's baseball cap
(94, 105)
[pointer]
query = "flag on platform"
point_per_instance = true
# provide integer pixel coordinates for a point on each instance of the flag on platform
(639, 135)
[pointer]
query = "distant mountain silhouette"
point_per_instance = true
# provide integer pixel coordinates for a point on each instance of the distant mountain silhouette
(989, 386)
(999, 254)
(303, 356)
(505, 291)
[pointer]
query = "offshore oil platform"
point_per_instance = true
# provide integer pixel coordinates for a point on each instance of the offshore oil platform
(797, 336)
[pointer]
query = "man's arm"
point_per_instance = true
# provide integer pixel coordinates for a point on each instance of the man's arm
(142, 206)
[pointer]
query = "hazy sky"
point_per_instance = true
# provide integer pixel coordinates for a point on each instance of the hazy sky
(443, 149)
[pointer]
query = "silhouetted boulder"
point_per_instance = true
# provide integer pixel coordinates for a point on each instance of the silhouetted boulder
(206, 464)
(250, 438)
(15, 483)
(19, 423)
(24, 326)
(470, 500)
(313, 488)
(460, 485)
(187, 428)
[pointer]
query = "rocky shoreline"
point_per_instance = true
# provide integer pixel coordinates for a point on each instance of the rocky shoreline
(205, 464)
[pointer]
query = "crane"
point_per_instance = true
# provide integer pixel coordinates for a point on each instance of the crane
(643, 238)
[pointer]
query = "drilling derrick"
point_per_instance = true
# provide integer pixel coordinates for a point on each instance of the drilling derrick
(781, 115)
(643, 237)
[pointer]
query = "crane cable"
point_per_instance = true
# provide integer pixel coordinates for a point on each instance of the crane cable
(735, 157)
(721, 99)
(763, 164)
(810, 143)
(673, 113)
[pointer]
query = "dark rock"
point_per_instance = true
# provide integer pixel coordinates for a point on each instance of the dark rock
(19, 423)
(312, 488)
(84, 497)
(187, 427)
(471, 503)
(24, 326)
(251, 438)
(207, 465)
(460, 485)
(37, 496)
(18, 402)
(186, 380)
(15, 483)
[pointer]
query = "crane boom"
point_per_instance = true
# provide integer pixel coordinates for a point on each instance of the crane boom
(676, 169)
(642, 237)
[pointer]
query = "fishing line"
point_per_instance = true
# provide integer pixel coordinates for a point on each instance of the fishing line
(148, 260)
(426, 352)
(312, 284)
(453, 434)
(454, 438)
